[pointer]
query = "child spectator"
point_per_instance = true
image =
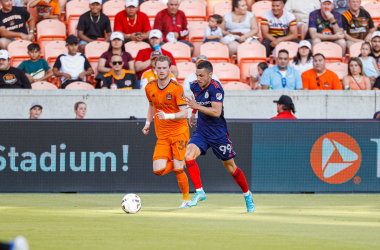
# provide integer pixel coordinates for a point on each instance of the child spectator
(255, 84)
(46, 9)
(369, 64)
(36, 69)
(213, 32)
(35, 110)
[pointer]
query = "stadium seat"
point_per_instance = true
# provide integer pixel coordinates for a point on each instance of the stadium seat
(226, 72)
(43, 85)
(194, 10)
(291, 47)
(53, 50)
(184, 69)
(211, 6)
(332, 51)
(373, 9)
(248, 54)
(196, 34)
(50, 30)
(111, 8)
(341, 69)
(133, 47)
(93, 51)
(354, 50)
(260, 7)
(236, 86)
(74, 9)
(223, 8)
(18, 52)
(180, 51)
(79, 85)
(151, 8)
(215, 52)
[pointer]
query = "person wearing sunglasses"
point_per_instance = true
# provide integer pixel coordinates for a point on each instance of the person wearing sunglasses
(119, 78)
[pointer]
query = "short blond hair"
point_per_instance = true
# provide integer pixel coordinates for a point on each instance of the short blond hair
(164, 59)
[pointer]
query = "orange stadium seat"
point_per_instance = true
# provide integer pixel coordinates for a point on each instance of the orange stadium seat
(74, 9)
(93, 51)
(341, 69)
(184, 69)
(291, 47)
(53, 50)
(373, 9)
(215, 52)
(79, 85)
(133, 47)
(332, 51)
(211, 6)
(151, 8)
(248, 54)
(50, 30)
(18, 52)
(260, 7)
(226, 72)
(195, 11)
(43, 85)
(196, 34)
(111, 8)
(354, 50)
(236, 86)
(223, 8)
(180, 51)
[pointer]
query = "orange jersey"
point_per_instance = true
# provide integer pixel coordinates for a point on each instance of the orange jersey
(167, 100)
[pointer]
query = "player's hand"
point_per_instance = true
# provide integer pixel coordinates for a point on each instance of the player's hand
(146, 129)
(160, 114)
(192, 120)
(192, 103)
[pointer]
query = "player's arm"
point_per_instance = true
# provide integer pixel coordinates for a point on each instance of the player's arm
(182, 114)
(215, 110)
(149, 118)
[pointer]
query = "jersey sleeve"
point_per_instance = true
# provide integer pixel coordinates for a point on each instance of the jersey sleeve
(118, 24)
(312, 20)
(87, 64)
(180, 96)
(57, 63)
(217, 95)
(56, 9)
(108, 25)
(147, 93)
(25, 81)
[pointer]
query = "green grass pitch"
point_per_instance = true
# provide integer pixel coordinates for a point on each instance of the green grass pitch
(281, 221)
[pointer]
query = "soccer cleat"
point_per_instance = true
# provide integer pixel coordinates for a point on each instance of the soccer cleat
(250, 203)
(19, 243)
(199, 196)
(184, 204)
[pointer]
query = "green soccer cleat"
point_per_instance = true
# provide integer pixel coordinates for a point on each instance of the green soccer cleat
(250, 204)
(199, 196)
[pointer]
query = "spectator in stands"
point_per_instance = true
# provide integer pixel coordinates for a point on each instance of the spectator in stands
(35, 110)
(285, 108)
(357, 24)
(239, 26)
(36, 69)
(14, 19)
(369, 63)
(256, 80)
(304, 59)
(325, 25)
(72, 66)
(11, 78)
(213, 33)
(375, 42)
(193, 77)
(93, 25)
(356, 80)
(278, 25)
(143, 63)
(133, 23)
(173, 24)
(119, 78)
(281, 76)
(46, 9)
(376, 115)
(80, 109)
(320, 78)
(302, 9)
(341, 6)
(150, 74)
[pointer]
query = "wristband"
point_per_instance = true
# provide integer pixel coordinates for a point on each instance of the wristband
(169, 116)
(147, 123)
(194, 111)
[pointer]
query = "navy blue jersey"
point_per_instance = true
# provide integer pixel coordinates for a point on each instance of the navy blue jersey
(209, 126)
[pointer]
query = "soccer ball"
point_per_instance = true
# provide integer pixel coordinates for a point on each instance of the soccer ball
(131, 203)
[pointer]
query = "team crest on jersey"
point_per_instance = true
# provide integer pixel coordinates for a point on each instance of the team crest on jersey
(128, 82)
(206, 95)
(169, 96)
(219, 96)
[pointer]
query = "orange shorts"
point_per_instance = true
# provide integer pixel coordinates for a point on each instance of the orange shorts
(173, 147)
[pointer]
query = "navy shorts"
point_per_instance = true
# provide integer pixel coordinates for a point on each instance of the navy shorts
(221, 147)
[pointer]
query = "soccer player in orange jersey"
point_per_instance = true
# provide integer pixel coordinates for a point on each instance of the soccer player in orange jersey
(168, 103)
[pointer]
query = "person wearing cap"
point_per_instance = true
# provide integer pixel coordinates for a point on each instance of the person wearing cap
(173, 24)
(119, 78)
(10, 77)
(151, 74)
(93, 25)
(46, 9)
(72, 66)
(143, 62)
(304, 59)
(193, 76)
(13, 18)
(375, 42)
(35, 110)
(376, 115)
(285, 108)
(325, 25)
(134, 24)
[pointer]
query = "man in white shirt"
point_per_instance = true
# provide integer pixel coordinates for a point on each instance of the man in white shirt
(193, 77)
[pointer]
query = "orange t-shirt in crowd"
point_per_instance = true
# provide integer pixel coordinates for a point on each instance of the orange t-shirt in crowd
(327, 81)
(52, 8)
(167, 100)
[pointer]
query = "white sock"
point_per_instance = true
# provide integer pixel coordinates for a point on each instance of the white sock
(199, 189)
(246, 194)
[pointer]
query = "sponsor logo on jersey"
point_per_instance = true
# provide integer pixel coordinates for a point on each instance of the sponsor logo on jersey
(206, 95)
(9, 78)
(219, 96)
(335, 157)
(169, 96)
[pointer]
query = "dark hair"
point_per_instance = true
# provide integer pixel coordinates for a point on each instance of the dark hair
(358, 61)
(34, 46)
(319, 54)
(263, 65)
(205, 65)
(284, 1)
(297, 59)
(235, 4)
(218, 18)
(284, 51)
(287, 108)
(122, 47)
(370, 48)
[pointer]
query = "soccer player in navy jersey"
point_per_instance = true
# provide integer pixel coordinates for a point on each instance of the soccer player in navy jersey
(211, 132)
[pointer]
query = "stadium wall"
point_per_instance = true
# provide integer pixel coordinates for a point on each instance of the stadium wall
(114, 156)
(107, 104)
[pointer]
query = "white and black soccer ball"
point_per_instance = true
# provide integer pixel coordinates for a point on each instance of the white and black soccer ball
(131, 203)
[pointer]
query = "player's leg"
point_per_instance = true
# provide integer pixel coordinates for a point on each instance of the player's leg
(162, 158)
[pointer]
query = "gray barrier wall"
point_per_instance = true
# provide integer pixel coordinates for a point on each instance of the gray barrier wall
(109, 104)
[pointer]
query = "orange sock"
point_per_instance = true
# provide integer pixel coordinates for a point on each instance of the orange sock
(183, 183)
(168, 169)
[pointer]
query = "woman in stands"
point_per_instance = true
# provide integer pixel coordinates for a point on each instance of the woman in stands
(239, 26)
(356, 80)
(304, 59)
